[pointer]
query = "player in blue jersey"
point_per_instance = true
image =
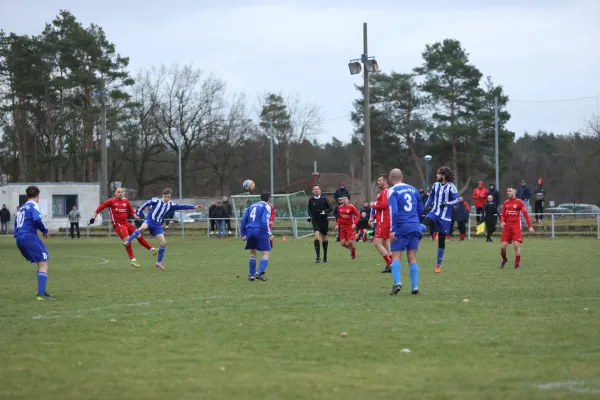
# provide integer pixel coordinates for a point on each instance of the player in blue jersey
(153, 222)
(442, 199)
(406, 207)
(257, 234)
(27, 222)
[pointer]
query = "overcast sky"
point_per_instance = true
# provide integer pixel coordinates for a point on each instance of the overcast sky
(539, 50)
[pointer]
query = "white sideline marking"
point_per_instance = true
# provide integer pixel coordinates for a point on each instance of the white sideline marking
(572, 386)
(103, 261)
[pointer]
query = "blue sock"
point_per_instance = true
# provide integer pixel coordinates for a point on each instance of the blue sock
(42, 279)
(133, 236)
(414, 275)
(161, 253)
(252, 264)
(396, 271)
(440, 256)
(264, 262)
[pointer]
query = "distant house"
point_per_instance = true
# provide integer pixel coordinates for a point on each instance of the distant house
(329, 182)
(56, 200)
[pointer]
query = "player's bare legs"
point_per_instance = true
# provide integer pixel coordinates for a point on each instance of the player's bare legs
(517, 246)
(161, 250)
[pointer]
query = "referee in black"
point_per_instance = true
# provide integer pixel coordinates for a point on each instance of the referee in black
(318, 211)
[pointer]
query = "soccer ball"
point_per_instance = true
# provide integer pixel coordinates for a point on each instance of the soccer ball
(248, 185)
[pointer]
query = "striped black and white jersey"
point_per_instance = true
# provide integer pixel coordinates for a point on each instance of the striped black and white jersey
(442, 193)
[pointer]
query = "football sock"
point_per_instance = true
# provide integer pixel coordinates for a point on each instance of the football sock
(517, 260)
(129, 251)
(161, 253)
(440, 256)
(423, 228)
(396, 269)
(414, 275)
(325, 244)
(42, 278)
(144, 242)
(462, 235)
(317, 248)
(133, 236)
(264, 262)
(503, 254)
(388, 259)
(353, 251)
(252, 265)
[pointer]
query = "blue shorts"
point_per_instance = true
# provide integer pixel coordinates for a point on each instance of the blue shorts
(406, 241)
(257, 239)
(439, 225)
(155, 228)
(32, 248)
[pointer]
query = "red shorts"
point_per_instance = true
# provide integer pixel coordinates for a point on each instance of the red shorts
(382, 231)
(512, 233)
(124, 230)
(346, 233)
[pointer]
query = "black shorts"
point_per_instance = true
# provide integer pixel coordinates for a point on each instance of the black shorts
(321, 226)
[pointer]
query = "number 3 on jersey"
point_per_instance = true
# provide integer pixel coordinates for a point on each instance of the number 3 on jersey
(408, 199)
(253, 213)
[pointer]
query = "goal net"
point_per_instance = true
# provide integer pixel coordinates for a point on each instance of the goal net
(290, 212)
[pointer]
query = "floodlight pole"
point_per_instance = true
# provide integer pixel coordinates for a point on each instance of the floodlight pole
(271, 155)
(496, 144)
(180, 181)
(367, 116)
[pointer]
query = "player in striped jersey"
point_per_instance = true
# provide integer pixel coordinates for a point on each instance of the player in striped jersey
(442, 200)
(153, 222)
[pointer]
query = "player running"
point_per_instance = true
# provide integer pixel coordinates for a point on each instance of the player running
(348, 216)
(381, 238)
(27, 222)
(256, 232)
(442, 199)
(406, 207)
(319, 208)
(153, 222)
(510, 219)
(119, 209)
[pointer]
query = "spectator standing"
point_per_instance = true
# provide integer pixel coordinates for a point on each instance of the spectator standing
(495, 194)
(462, 216)
(490, 216)
(212, 217)
(341, 191)
(480, 196)
(524, 194)
(539, 192)
(74, 217)
(228, 210)
(4, 220)
(221, 216)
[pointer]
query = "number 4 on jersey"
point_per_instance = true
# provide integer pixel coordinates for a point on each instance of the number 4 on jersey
(253, 213)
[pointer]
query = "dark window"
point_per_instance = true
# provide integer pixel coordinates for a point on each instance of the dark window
(62, 204)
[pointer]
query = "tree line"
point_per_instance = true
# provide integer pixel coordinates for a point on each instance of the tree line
(50, 111)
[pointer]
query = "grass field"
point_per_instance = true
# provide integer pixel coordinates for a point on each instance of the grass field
(199, 329)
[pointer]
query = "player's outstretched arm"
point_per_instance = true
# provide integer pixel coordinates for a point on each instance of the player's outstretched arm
(144, 205)
(39, 224)
(430, 197)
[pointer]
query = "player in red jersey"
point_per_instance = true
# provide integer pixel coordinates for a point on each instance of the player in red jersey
(381, 238)
(272, 218)
(510, 219)
(348, 216)
(120, 208)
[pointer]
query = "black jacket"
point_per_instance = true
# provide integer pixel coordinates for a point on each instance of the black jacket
(4, 215)
(490, 212)
(220, 212)
(539, 192)
(462, 214)
(316, 206)
(363, 223)
(523, 193)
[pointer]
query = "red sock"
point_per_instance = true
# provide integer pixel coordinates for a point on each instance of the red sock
(388, 259)
(353, 250)
(503, 253)
(129, 251)
(144, 242)
(517, 260)
(462, 235)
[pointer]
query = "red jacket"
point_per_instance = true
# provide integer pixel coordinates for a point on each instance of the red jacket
(480, 195)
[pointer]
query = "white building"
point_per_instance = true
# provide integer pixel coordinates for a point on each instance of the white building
(56, 200)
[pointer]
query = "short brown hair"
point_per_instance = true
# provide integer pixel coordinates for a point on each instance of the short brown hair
(168, 191)
(384, 176)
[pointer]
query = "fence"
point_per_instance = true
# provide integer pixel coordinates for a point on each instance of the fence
(553, 225)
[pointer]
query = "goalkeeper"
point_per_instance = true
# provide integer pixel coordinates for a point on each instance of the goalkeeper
(319, 208)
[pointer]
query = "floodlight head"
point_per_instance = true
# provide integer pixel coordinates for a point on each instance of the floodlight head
(354, 67)
(427, 157)
(372, 65)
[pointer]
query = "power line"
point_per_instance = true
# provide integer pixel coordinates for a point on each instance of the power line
(555, 100)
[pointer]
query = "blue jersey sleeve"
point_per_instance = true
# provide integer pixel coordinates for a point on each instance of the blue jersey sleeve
(243, 228)
(182, 207)
(36, 216)
(430, 197)
(266, 217)
(452, 195)
(144, 206)
(393, 206)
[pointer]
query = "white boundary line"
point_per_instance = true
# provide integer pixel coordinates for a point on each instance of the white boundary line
(572, 386)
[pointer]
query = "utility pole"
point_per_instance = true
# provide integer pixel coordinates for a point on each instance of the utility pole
(103, 152)
(367, 113)
(496, 145)
(271, 157)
